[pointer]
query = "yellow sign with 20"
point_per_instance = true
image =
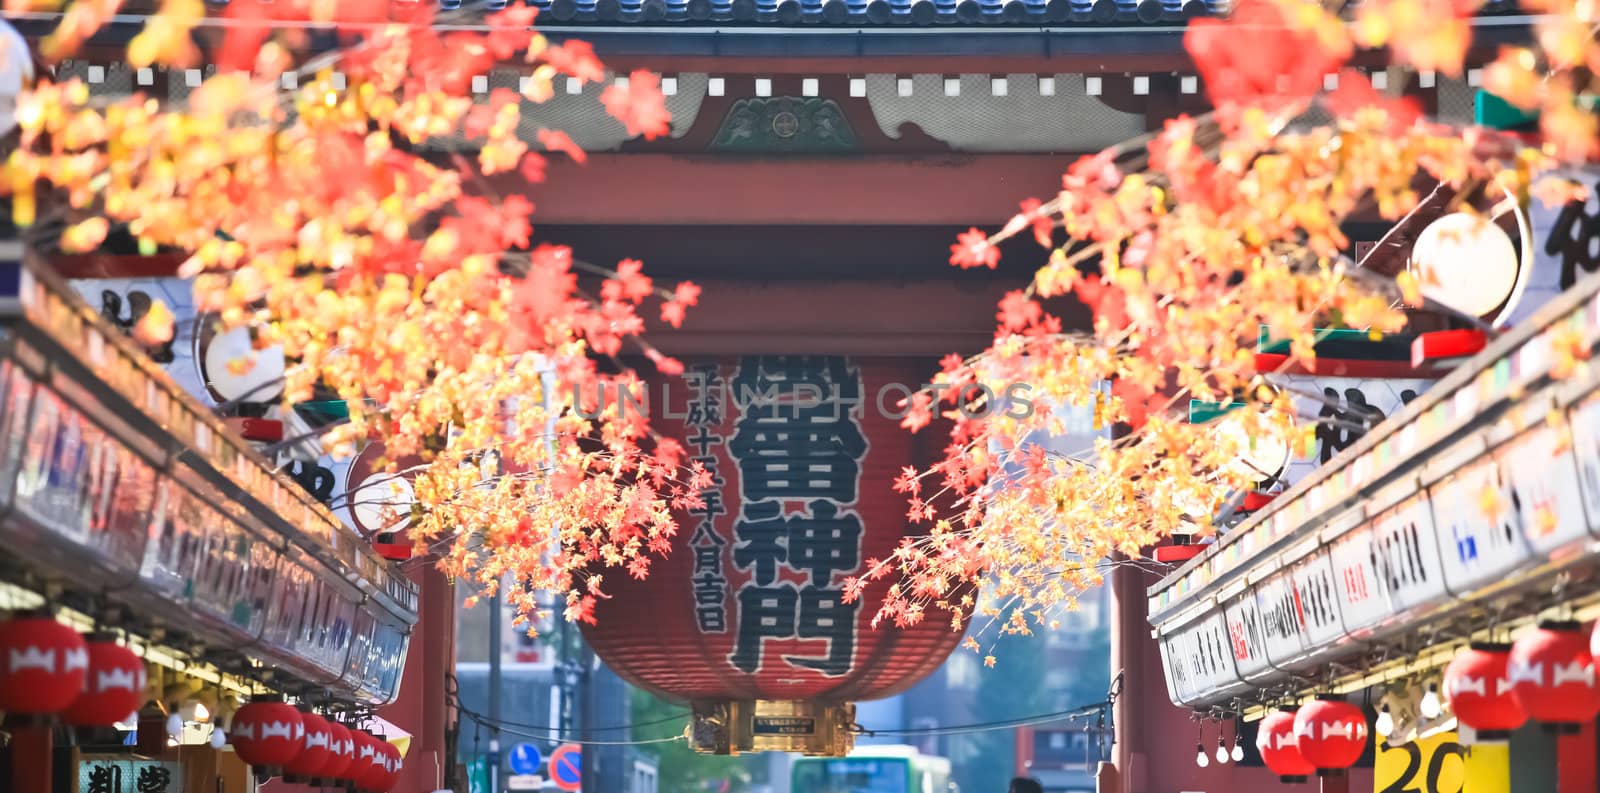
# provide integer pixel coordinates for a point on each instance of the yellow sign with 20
(1440, 764)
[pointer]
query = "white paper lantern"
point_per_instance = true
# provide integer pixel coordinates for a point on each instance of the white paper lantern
(16, 73)
(1466, 262)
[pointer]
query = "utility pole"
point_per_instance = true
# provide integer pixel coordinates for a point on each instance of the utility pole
(494, 692)
(586, 695)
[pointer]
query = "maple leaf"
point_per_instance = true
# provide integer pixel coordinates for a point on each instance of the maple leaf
(155, 328)
(686, 295)
(1042, 222)
(665, 364)
(1355, 93)
(85, 235)
(556, 140)
(639, 105)
(575, 59)
(532, 167)
(973, 249)
(510, 30)
(630, 285)
(988, 661)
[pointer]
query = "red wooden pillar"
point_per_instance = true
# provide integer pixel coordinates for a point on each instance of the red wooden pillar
(1024, 751)
(421, 708)
(1575, 762)
(1336, 783)
(31, 753)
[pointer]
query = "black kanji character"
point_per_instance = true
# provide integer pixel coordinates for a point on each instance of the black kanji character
(105, 779)
(764, 612)
(706, 534)
(707, 557)
(710, 589)
(1575, 237)
(763, 537)
(154, 779)
(824, 542)
(825, 615)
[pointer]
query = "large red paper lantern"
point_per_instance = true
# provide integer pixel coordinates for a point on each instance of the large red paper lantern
(314, 753)
(1275, 740)
(749, 605)
(1479, 691)
(43, 665)
(113, 687)
(1331, 733)
(1552, 675)
(267, 733)
(341, 753)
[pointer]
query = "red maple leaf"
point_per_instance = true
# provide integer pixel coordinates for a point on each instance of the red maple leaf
(973, 249)
(639, 104)
(509, 30)
(1043, 224)
(556, 140)
(544, 295)
(1254, 55)
(1355, 92)
(630, 285)
(532, 167)
(575, 59)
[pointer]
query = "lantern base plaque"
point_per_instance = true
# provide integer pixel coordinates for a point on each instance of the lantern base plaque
(817, 729)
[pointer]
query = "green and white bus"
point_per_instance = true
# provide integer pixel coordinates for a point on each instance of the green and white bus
(873, 769)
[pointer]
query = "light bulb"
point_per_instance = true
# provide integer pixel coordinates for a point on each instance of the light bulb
(201, 712)
(174, 725)
(1385, 723)
(1222, 751)
(218, 739)
(1238, 751)
(1430, 708)
(1200, 758)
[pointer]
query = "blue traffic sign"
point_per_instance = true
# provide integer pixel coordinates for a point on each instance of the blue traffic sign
(525, 759)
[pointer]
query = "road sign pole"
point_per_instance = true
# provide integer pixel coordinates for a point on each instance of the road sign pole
(494, 692)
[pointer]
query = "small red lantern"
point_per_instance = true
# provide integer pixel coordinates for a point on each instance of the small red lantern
(267, 733)
(1552, 676)
(314, 753)
(390, 762)
(1275, 740)
(341, 753)
(1479, 691)
(367, 772)
(1331, 733)
(43, 665)
(113, 687)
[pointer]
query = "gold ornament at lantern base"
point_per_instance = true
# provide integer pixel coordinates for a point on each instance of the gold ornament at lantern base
(815, 729)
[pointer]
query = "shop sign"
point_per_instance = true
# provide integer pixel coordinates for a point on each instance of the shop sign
(1406, 553)
(1585, 422)
(1282, 619)
(1243, 618)
(1475, 548)
(1361, 600)
(1540, 488)
(124, 775)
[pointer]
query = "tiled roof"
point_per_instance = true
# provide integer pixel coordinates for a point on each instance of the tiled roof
(876, 12)
(888, 12)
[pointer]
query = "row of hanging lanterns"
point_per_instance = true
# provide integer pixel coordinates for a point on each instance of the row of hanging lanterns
(49, 669)
(1547, 676)
(1321, 737)
(301, 746)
